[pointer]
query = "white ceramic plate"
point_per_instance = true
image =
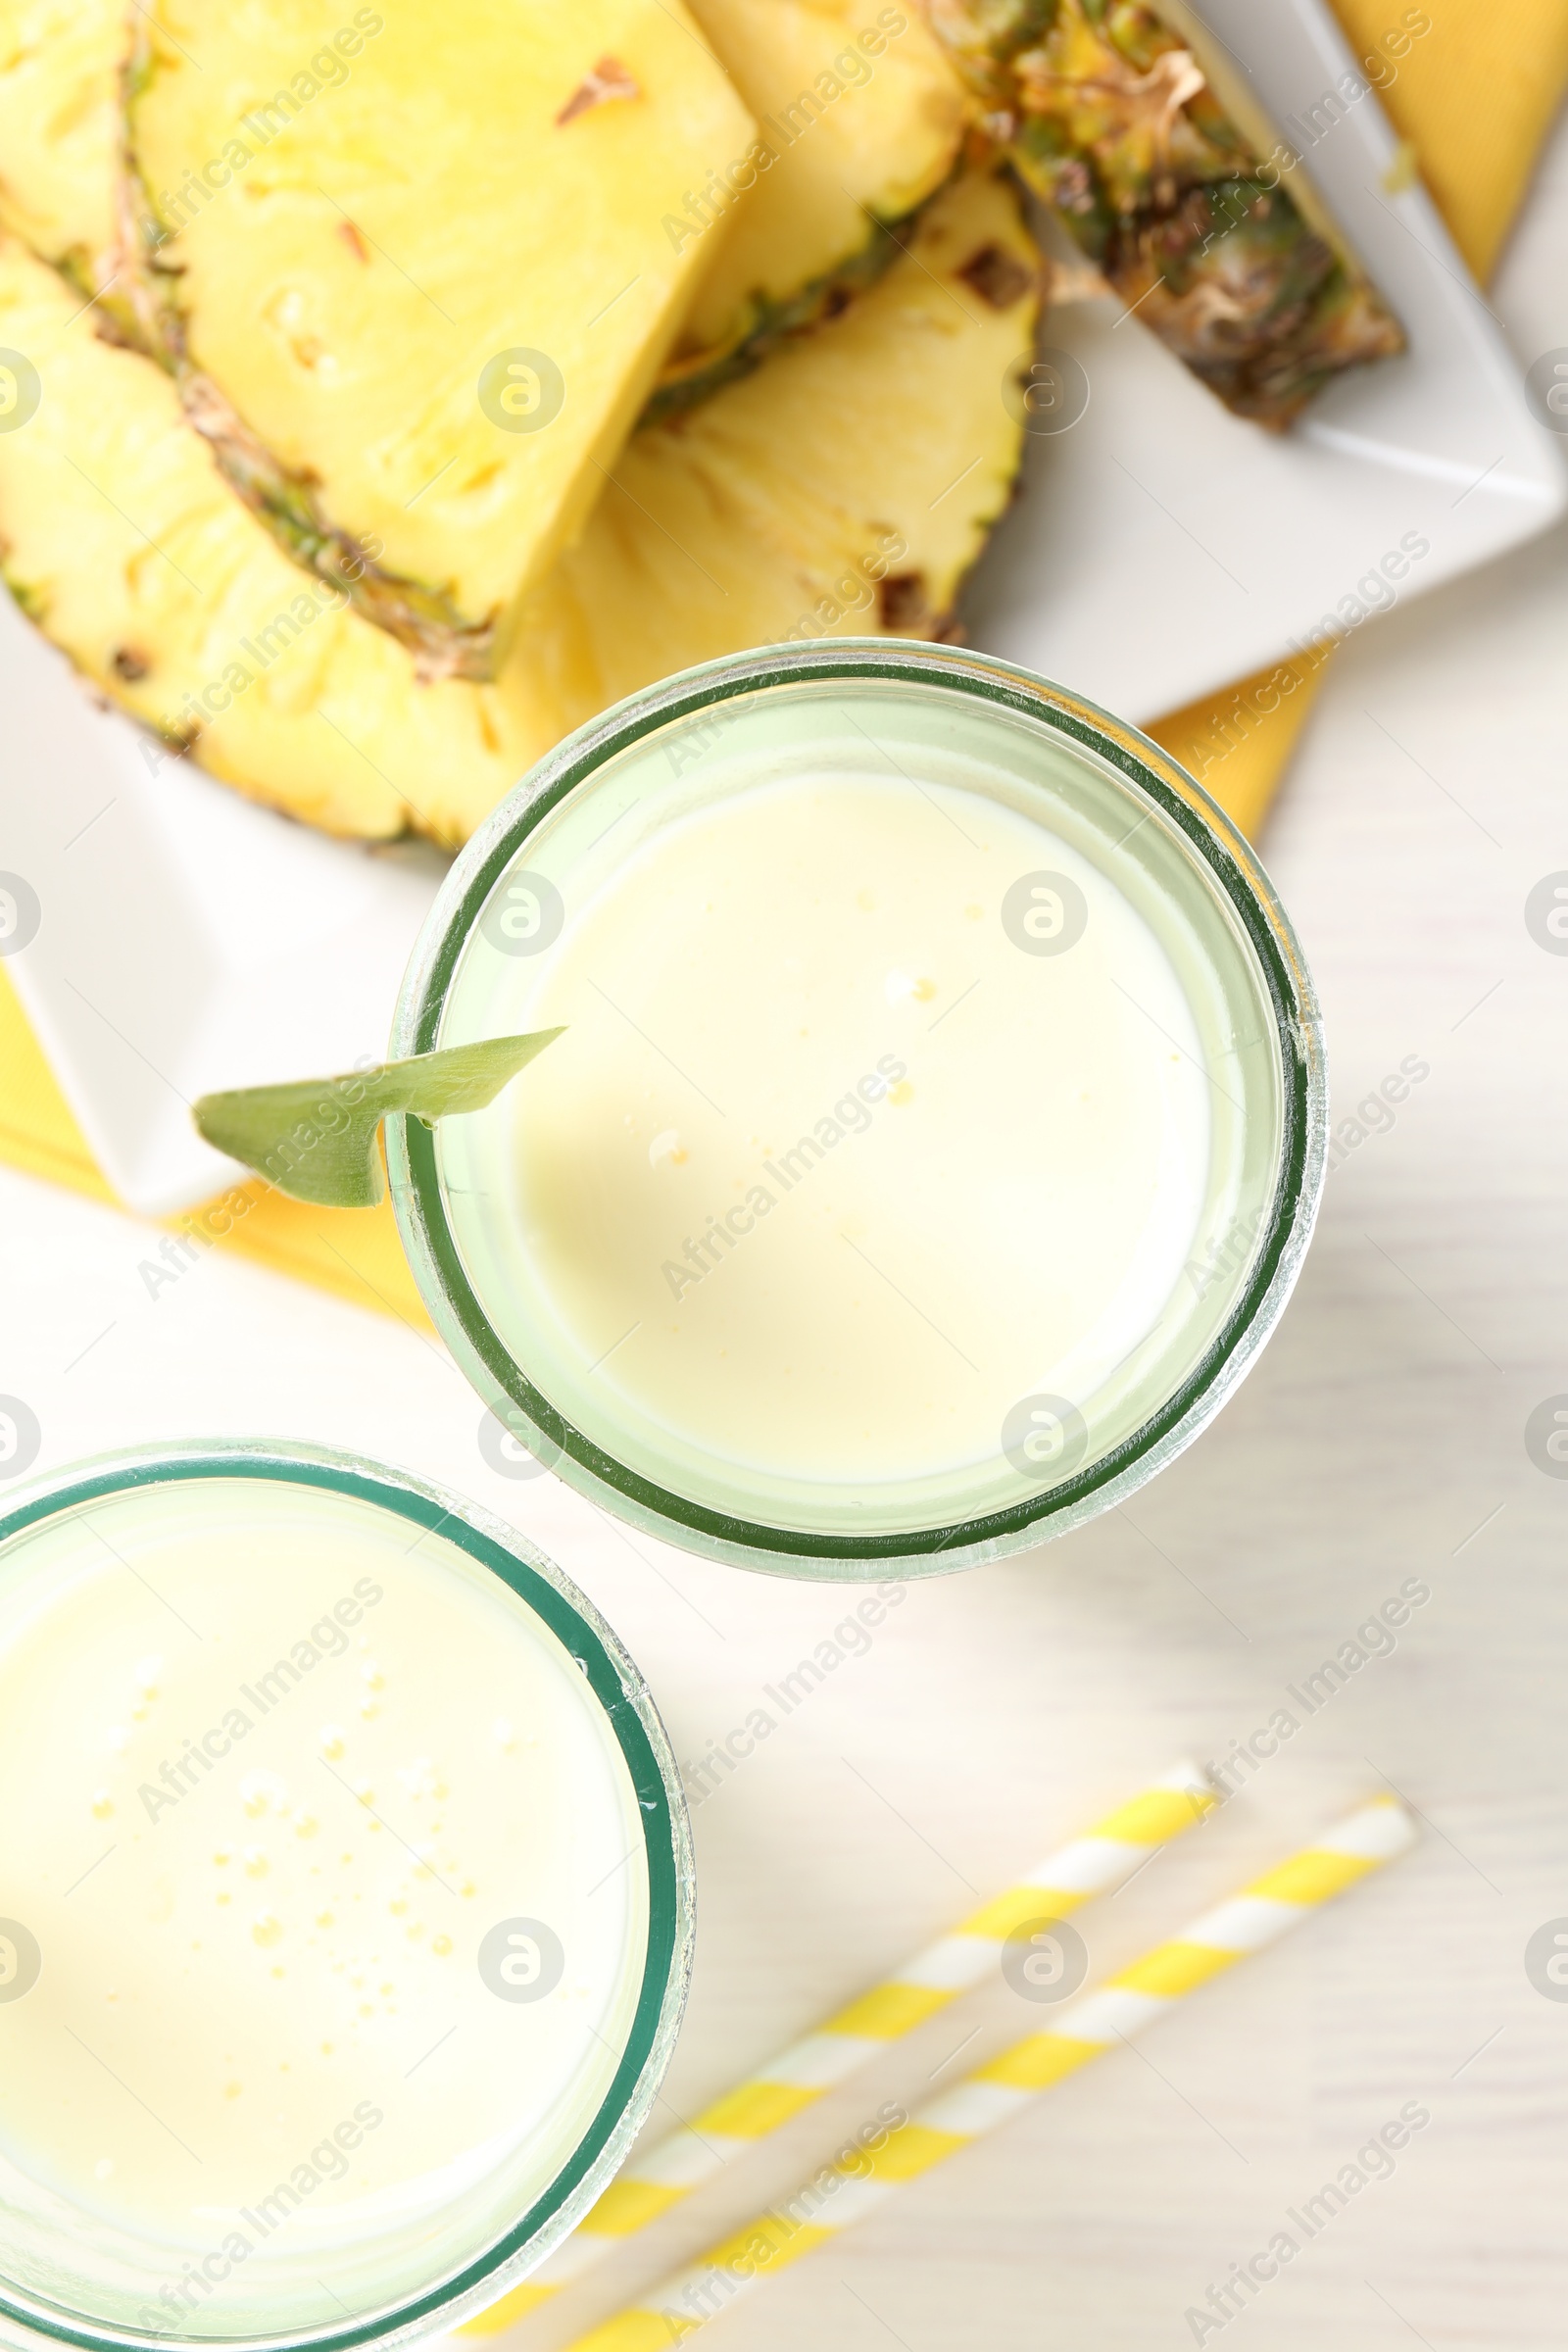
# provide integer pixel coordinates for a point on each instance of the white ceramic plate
(186, 940)
(1159, 549)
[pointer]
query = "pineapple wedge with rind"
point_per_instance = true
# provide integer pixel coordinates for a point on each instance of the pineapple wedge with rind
(411, 274)
(1172, 186)
(844, 487)
(860, 117)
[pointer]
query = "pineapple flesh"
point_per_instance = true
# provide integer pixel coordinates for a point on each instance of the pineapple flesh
(1106, 111)
(860, 118)
(61, 63)
(411, 274)
(843, 488)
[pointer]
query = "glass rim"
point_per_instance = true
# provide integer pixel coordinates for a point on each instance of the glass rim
(1209, 836)
(644, 1745)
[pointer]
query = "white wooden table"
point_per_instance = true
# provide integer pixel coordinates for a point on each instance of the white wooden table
(1381, 1439)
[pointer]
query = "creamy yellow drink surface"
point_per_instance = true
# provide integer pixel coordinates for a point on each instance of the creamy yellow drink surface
(888, 1101)
(273, 1768)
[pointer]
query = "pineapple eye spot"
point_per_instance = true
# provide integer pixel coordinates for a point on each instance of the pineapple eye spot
(996, 275)
(901, 600)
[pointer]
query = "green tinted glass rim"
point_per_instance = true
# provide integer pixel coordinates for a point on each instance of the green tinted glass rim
(669, 1918)
(1218, 845)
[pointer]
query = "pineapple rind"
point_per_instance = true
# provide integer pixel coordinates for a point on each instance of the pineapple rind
(756, 331)
(1110, 116)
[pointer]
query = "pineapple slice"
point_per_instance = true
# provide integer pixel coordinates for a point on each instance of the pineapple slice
(411, 276)
(860, 118)
(59, 69)
(1126, 117)
(843, 488)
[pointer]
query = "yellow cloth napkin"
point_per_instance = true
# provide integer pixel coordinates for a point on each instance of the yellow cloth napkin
(1473, 98)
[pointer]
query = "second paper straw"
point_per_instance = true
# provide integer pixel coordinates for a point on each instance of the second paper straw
(1085, 2027)
(655, 2179)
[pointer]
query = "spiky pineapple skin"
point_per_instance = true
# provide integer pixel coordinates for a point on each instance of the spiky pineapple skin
(1109, 117)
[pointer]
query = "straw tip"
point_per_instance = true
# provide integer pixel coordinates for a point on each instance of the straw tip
(1189, 1778)
(1379, 1830)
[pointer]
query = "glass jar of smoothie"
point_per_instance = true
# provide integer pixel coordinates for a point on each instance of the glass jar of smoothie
(937, 1128)
(345, 1916)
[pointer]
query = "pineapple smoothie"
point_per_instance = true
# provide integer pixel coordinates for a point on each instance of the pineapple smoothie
(841, 1211)
(916, 1129)
(328, 1905)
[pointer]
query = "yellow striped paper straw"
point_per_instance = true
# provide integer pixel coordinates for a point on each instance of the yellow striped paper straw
(1086, 2026)
(657, 2178)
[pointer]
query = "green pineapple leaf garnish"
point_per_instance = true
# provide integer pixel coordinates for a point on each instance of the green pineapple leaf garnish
(315, 1138)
